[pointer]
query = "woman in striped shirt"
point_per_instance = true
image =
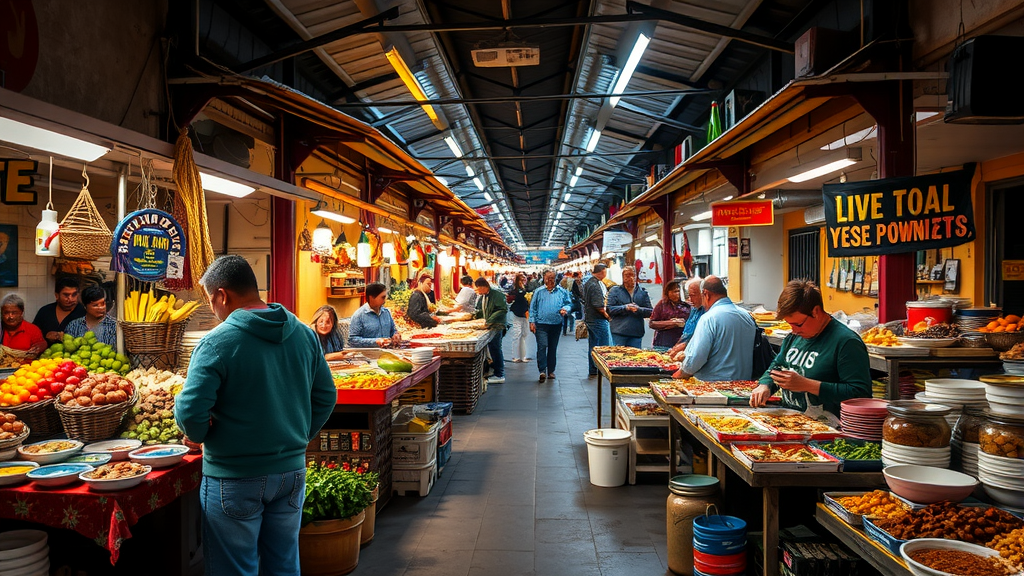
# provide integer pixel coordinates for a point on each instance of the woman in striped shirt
(96, 320)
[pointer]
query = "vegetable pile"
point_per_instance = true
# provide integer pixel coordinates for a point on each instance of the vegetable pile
(850, 451)
(86, 350)
(152, 419)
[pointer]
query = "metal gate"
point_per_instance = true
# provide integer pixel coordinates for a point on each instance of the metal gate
(805, 255)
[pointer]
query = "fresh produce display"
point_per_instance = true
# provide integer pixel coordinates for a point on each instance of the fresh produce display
(1010, 547)
(40, 380)
(788, 453)
(145, 307)
(1015, 353)
(850, 451)
(152, 419)
(934, 331)
(876, 504)
(95, 389)
(645, 409)
(880, 336)
(365, 381)
(604, 350)
(1010, 323)
(391, 363)
(89, 352)
(50, 447)
(10, 426)
(961, 562)
(973, 524)
(155, 379)
(117, 471)
(427, 336)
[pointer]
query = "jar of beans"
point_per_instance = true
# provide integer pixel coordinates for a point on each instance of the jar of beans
(968, 426)
(1002, 436)
(916, 424)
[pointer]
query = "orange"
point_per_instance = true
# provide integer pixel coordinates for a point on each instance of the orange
(1013, 319)
(992, 325)
(999, 329)
(1011, 327)
(1002, 321)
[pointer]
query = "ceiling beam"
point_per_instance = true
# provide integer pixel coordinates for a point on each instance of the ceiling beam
(525, 98)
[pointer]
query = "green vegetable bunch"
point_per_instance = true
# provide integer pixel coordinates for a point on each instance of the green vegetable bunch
(152, 419)
(851, 451)
(334, 493)
(86, 350)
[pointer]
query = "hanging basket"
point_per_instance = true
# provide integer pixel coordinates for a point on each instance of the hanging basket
(83, 233)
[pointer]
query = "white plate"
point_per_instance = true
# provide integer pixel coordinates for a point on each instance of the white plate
(126, 445)
(114, 485)
(921, 570)
(50, 457)
(30, 558)
(915, 450)
(18, 543)
(997, 407)
(953, 385)
(160, 455)
(12, 479)
(927, 342)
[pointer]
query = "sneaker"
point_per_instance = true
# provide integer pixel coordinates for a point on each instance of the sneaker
(516, 360)
(527, 359)
(543, 377)
(551, 376)
(496, 380)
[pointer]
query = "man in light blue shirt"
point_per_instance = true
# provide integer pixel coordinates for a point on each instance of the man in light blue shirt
(722, 347)
(548, 306)
(697, 310)
(372, 325)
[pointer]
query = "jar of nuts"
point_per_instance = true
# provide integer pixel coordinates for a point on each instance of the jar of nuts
(1002, 436)
(912, 423)
(968, 426)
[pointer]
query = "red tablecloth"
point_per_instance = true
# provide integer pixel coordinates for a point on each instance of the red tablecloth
(102, 516)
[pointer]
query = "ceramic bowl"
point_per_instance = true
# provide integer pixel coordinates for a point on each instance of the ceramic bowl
(159, 456)
(94, 460)
(27, 564)
(1005, 496)
(118, 449)
(928, 484)
(1002, 465)
(999, 407)
(102, 485)
(954, 386)
(925, 543)
(8, 453)
(56, 475)
(21, 543)
(12, 479)
(26, 452)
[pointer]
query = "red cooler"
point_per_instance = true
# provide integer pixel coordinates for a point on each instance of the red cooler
(929, 311)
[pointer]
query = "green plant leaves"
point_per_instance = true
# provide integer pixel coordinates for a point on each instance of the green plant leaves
(335, 493)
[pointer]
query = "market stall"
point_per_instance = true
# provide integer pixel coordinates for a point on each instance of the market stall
(626, 366)
(462, 346)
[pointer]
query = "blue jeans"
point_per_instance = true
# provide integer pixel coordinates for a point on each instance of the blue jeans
(623, 340)
(568, 323)
(599, 333)
(251, 525)
(497, 357)
(547, 346)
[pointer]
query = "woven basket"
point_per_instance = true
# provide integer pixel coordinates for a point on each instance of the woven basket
(17, 440)
(153, 337)
(83, 233)
(41, 418)
(94, 423)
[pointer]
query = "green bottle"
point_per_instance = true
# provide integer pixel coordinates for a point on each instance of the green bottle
(714, 123)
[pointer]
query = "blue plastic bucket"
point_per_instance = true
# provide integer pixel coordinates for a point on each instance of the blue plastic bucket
(719, 535)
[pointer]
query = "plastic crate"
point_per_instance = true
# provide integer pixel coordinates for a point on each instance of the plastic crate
(433, 411)
(444, 430)
(419, 480)
(413, 448)
(444, 454)
(422, 392)
(461, 382)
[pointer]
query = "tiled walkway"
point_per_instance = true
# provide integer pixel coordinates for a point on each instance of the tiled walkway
(516, 497)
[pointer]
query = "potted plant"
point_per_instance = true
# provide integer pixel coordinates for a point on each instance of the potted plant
(332, 517)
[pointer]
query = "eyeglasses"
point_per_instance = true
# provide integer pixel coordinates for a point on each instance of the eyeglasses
(800, 324)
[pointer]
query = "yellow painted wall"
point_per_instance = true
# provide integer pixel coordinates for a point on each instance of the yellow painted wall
(310, 284)
(735, 268)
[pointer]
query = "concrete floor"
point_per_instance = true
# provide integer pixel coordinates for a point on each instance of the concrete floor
(516, 497)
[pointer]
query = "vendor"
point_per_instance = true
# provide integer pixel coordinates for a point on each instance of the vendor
(419, 303)
(821, 363)
(669, 316)
(372, 325)
(325, 325)
(19, 334)
(467, 296)
(54, 318)
(96, 319)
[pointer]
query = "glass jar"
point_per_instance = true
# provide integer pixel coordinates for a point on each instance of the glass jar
(916, 424)
(968, 426)
(691, 495)
(1002, 436)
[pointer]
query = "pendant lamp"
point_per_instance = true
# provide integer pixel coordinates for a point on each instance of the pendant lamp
(323, 238)
(48, 230)
(389, 252)
(363, 251)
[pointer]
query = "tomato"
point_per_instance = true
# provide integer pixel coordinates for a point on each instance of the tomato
(73, 380)
(33, 398)
(32, 388)
(56, 388)
(45, 393)
(80, 371)
(60, 376)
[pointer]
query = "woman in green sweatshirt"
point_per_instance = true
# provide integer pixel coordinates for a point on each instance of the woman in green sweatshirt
(821, 363)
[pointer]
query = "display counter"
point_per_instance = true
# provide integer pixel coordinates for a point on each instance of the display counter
(640, 376)
(857, 540)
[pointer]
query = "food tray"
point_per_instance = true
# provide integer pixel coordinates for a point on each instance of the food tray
(791, 433)
(753, 432)
(883, 537)
(901, 350)
(625, 409)
(639, 370)
(829, 464)
(851, 465)
(672, 396)
(713, 399)
(832, 503)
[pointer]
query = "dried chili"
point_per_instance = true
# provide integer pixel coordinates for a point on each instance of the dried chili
(960, 562)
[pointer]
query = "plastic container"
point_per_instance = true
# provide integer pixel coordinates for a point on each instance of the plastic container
(419, 479)
(916, 424)
(413, 448)
(691, 496)
(968, 426)
(929, 311)
(1002, 436)
(719, 535)
(608, 456)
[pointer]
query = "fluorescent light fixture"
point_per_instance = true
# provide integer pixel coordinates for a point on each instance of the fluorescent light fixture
(702, 216)
(561, 208)
(851, 156)
(469, 171)
(727, 198)
(568, 195)
(411, 82)
(333, 216)
(579, 170)
(652, 238)
(592, 143)
(479, 184)
(855, 138)
(384, 230)
(627, 71)
(487, 197)
(48, 141)
(454, 146)
(225, 186)
(572, 181)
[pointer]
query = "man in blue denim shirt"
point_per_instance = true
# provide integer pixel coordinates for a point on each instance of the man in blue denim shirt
(696, 311)
(548, 306)
(595, 314)
(372, 325)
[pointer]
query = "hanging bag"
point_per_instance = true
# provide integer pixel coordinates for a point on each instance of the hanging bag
(84, 234)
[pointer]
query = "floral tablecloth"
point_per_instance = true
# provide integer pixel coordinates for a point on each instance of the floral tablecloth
(103, 516)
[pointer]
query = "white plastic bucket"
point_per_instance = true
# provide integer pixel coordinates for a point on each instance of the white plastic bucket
(608, 455)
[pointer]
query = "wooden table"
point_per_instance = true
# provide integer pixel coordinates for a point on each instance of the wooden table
(615, 381)
(721, 457)
(862, 544)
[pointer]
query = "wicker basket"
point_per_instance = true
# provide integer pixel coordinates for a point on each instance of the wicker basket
(1003, 341)
(83, 233)
(41, 418)
(153, 337)
(94, 423)
(17, 440)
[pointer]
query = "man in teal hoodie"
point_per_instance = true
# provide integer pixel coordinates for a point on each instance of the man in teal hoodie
(258, 391)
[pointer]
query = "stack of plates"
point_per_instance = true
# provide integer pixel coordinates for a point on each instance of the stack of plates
(24, 553)
(908, 386)
(1014, 367)
(189, 341)
(971, 319)
(420, 355)
(1002, 479)
(954, 393)
(893, 454)
(1005, 398)
(954, 409)
(969, 458)
(862, 418)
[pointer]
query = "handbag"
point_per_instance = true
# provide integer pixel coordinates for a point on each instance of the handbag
(581, 331)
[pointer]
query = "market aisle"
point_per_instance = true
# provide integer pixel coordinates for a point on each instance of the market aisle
(516, 497)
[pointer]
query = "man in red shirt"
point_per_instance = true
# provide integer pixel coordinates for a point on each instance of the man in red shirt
(19, 334)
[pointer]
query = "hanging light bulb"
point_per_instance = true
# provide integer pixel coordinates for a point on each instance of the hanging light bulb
(323, 238)
(595, 255)
(462, 260)
(363, 251)
(389, 252)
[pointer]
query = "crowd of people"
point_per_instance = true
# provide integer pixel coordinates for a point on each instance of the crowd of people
(72, 313)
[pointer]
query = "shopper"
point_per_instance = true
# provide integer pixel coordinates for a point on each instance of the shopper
(548, 305)
(669, 316)
(54, 318)
(821, 362)
(571, 285)
(493, 309)
(595, 314)
(532, 283)
(96, 319)
(697, 310)
(466, 298)
(628, 306)
(419, 303)
(722, 348)
(19, 334)
(520, 307)
(258, 391)
(372, 325)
